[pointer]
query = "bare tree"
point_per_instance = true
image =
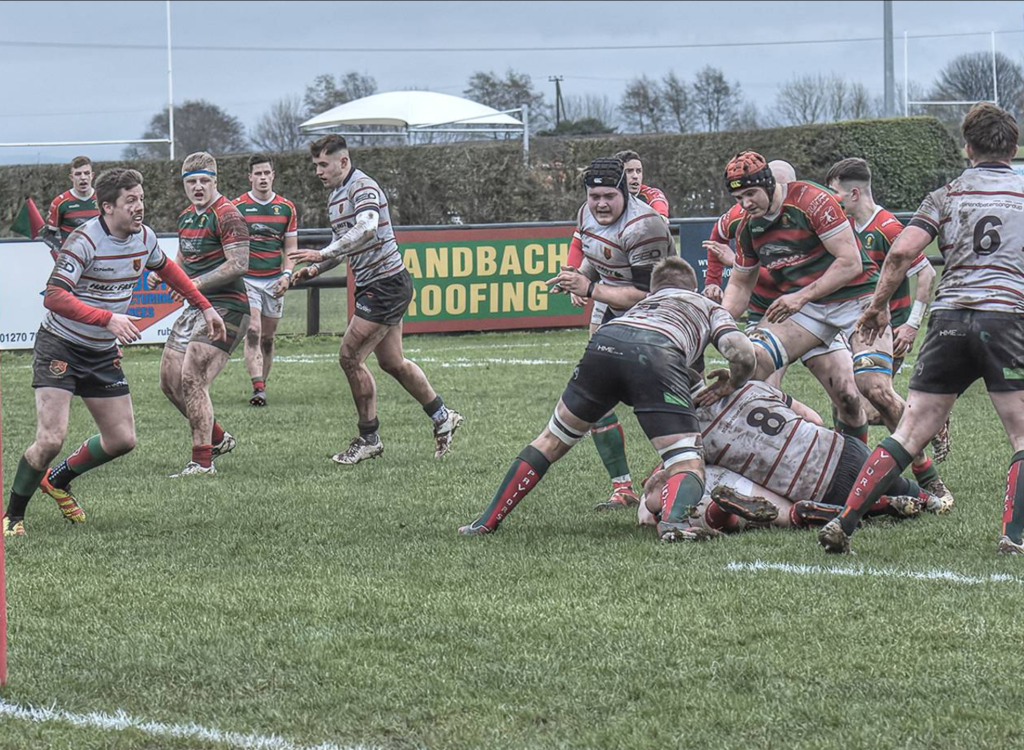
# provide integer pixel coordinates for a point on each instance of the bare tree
(326, 92)
(510, 92)
(915, 93)
(969, 78)
(746, 117)
(590, 107)
(642, 106)
(678, 102)
(199, 125)
(715, 100)
(802, 100)
(277, 130)
(858, 104)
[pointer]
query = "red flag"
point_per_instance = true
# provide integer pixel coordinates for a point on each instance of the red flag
(29, 222)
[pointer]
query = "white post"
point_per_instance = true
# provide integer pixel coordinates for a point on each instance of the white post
(170, 83)
(526, 135)
(906, 85)
(995, 78)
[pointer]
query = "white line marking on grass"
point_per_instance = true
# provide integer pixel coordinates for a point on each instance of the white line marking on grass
(927, 575)
(311, 359)
(120, 721)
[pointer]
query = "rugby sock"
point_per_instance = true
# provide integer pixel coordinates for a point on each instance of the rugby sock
(858, 433)
(203, 455)
(882, 468)
(683, 492)
(717, 517)
(258, 384)
(89, 455)
(924, 472)
(611, 445)
(1013, 509)
(436, 410)
(26, 482)
(368, 430)
(218, 434)
(523, 475)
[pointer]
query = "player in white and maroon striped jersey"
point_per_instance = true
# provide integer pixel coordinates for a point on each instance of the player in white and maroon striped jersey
(977, 322)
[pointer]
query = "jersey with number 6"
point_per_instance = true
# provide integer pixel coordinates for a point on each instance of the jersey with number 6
(754, 433)
(979, 221)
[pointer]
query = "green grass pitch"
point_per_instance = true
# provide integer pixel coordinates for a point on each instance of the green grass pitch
(292, 597)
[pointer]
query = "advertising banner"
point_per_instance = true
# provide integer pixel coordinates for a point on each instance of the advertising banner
(24, 269)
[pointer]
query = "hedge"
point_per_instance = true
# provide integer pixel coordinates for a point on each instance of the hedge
(484, 183)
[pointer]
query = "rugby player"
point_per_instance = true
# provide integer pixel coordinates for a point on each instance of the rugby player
(363, 234)
(273, 233)
(634, 169)
(72, 208)
(76, 350)
(642, 358)
(877, 229)
(620, 239)
(977, 322)
(831, 363)
(806, 468)
(213, 248)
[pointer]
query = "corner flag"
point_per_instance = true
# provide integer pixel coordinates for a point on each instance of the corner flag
(29, 221)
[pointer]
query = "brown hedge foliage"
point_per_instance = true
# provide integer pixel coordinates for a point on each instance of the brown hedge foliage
(485, 183)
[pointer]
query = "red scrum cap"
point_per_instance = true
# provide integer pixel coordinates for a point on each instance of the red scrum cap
(749, 169)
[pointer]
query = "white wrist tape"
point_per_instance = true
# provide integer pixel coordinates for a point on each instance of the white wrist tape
(917, 313)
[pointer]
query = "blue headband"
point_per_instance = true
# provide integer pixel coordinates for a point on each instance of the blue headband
(198, 171)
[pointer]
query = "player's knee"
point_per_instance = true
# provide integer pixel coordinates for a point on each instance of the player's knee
(348, 362)
(393, 367)
(879, 392)
(167, 385)
(121, 444)
(48, 446)
(267, 343)
(252, 338)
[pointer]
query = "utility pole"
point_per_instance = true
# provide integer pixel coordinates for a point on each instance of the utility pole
(890, 73)
(559, 104)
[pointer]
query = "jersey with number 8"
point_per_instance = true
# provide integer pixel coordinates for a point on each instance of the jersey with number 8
(979, 221)
(754, 433)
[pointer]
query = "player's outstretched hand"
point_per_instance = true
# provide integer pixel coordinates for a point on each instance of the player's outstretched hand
(783, 307)
(577, 300)
(304, 274)
(215, 325)
(903, 340)
(872, 322)
(304, 256)
(153, 280)
(713, 293)
(719, 389)
(723, 252)
(123, 327)
(569, 281)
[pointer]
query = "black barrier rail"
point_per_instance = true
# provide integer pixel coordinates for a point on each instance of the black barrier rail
(691, 232)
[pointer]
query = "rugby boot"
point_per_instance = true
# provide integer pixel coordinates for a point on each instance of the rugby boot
(1007, 546)
(810, 513)
(754, 509)
(473, 529)
(942, 443)
(941, 501)
(444, 432)
(259, 398)
(904, 506)
(832, 537)
(69, 507)
(621, 497)
(358, 450)
(194, 469)
(226, 445)
(12, 529)
(684, 531)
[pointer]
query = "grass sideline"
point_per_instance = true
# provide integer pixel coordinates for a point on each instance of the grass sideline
(288, 596)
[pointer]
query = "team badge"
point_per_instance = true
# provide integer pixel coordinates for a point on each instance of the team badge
(607, 252)
(869, 242)
(137, 264)
(58, 368)
(277, 210)
(785, 220)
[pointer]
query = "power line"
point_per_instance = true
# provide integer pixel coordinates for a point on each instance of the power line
(436, 50)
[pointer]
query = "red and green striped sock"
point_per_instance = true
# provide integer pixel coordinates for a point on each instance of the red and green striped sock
(1013, 509)
(523, 475)
(682, 492)
(86, 457)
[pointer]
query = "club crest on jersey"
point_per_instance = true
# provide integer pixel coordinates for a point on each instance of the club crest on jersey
(277, 210)
(869, 241)
(58, 368)
(607, 252)
(137, 264)
(786, 220)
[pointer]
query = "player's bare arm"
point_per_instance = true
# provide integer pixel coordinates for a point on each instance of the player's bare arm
(911, 242)
(739, 353)
(904, 336)
(234, 267)
(291, 245)
(845, 268)
(723, 252)
(739, 288)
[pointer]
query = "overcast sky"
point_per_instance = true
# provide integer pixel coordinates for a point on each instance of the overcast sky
(58, 92)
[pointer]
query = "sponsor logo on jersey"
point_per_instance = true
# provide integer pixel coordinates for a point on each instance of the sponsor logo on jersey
(58, 368)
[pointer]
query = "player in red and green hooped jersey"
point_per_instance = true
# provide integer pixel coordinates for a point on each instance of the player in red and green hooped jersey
(273, 233)
(73, 207)
(213, 248)
(800, 234)
(877, 229)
